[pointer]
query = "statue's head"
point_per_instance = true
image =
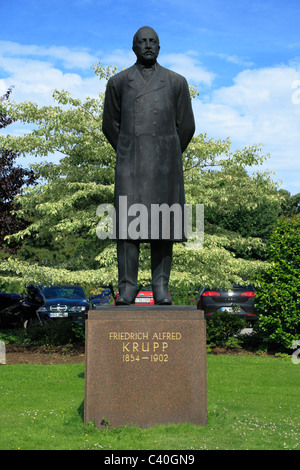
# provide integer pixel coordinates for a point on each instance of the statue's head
(146, 45)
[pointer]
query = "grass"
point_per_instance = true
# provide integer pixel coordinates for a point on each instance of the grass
(253, 403)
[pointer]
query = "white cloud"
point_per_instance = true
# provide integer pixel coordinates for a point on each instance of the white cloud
(70, 58)
(233, 59)
(188, 66)
(258, 109)
(36, 71)
(260, 102)
(122, 59)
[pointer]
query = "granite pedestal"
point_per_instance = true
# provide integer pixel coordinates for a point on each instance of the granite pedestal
(145, 366)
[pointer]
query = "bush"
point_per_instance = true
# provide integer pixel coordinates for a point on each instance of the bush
(222, 328)
(278, 296)
(58, 332)
(55, 333)
(185, 296)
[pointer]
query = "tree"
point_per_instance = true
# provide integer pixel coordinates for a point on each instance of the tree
(278, 298)
(64, 206)
(13, 179)
(290, 205)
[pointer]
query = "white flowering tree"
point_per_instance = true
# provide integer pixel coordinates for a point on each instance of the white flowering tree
(60, 244)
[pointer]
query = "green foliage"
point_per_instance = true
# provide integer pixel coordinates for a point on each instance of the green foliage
(222, 328)
(278, 298)
(57, 332)
(233, 200)
(18, 273)
(290, 205)
(71, 189)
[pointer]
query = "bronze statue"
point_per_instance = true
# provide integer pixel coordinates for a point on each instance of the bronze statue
(148, 120)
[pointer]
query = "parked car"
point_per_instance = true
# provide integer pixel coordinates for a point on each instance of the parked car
(237, 300)
(20, 310)
(64, 302)
(102, 298)
(144, 296)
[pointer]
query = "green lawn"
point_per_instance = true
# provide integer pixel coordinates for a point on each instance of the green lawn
(253, 403)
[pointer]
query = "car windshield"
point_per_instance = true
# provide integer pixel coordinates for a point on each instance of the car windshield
(66, 292)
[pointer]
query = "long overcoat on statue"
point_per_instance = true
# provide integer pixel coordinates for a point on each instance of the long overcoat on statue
(149, 124)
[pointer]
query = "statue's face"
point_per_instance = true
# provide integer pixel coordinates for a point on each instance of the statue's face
(146, 46)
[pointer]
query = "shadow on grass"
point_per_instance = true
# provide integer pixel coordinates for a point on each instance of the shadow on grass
(81, 410)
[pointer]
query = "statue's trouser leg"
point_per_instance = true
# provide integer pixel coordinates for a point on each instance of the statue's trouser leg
(161, 261)
(128, 262)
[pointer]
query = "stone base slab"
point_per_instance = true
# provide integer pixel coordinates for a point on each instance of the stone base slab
(145, 366)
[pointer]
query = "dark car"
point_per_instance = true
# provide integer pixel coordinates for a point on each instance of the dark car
(64, 302)
(20, 310)
(237, 300)
(102, 298)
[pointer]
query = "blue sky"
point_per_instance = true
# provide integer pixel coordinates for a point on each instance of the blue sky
(244, 56)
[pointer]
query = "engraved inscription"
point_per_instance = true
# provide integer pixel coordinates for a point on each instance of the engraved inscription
(145, 346)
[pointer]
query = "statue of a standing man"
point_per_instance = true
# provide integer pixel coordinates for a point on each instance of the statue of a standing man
(148, 120)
